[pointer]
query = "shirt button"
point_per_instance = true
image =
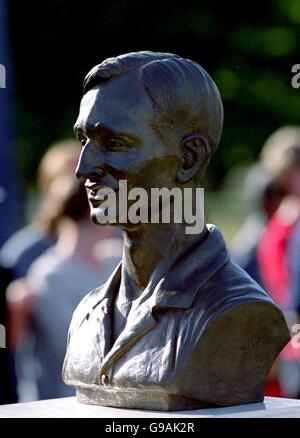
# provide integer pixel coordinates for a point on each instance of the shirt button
(104, 379)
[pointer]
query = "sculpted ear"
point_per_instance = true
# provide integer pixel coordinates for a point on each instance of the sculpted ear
(195, 152)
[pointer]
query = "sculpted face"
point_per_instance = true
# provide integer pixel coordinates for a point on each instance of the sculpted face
(118, 142)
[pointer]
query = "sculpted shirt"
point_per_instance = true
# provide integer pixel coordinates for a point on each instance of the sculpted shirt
(203, 335)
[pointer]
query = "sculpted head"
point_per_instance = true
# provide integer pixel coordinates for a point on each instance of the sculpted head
(154, 119)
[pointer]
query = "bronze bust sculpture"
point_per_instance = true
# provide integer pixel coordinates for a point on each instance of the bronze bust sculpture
(177, 325)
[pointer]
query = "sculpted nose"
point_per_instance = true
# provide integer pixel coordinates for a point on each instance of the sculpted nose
(88, 163)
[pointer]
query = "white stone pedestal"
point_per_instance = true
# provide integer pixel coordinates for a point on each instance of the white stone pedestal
(70, 408)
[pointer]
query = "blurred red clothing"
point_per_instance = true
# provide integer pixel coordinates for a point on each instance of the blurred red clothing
(271, 255)
(274, 270)
(273, 388)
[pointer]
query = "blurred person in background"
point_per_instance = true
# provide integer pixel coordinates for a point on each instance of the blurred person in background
(41, 304)
(25, 245)
(279, 246)
(264, 196)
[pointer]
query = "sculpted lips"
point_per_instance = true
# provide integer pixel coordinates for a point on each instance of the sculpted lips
(98, 193)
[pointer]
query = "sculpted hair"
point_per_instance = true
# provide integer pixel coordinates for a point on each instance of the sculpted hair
(185, 98)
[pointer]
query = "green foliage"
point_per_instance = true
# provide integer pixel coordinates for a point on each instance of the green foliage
(248, 48)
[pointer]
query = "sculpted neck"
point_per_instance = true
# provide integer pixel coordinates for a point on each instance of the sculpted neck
(151, 249)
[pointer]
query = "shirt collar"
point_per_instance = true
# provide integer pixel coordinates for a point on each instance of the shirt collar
(179, 286)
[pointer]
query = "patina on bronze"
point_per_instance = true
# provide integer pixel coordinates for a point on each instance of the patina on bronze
(177, 325)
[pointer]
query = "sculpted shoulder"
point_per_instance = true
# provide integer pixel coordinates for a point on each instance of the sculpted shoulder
(84, 307)
(237, 333)
(231, 282)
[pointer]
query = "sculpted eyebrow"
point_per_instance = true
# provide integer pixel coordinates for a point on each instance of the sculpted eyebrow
(103, 131)
(91, 130)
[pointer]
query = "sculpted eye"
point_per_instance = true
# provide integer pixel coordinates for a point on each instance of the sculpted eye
(114, 143)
